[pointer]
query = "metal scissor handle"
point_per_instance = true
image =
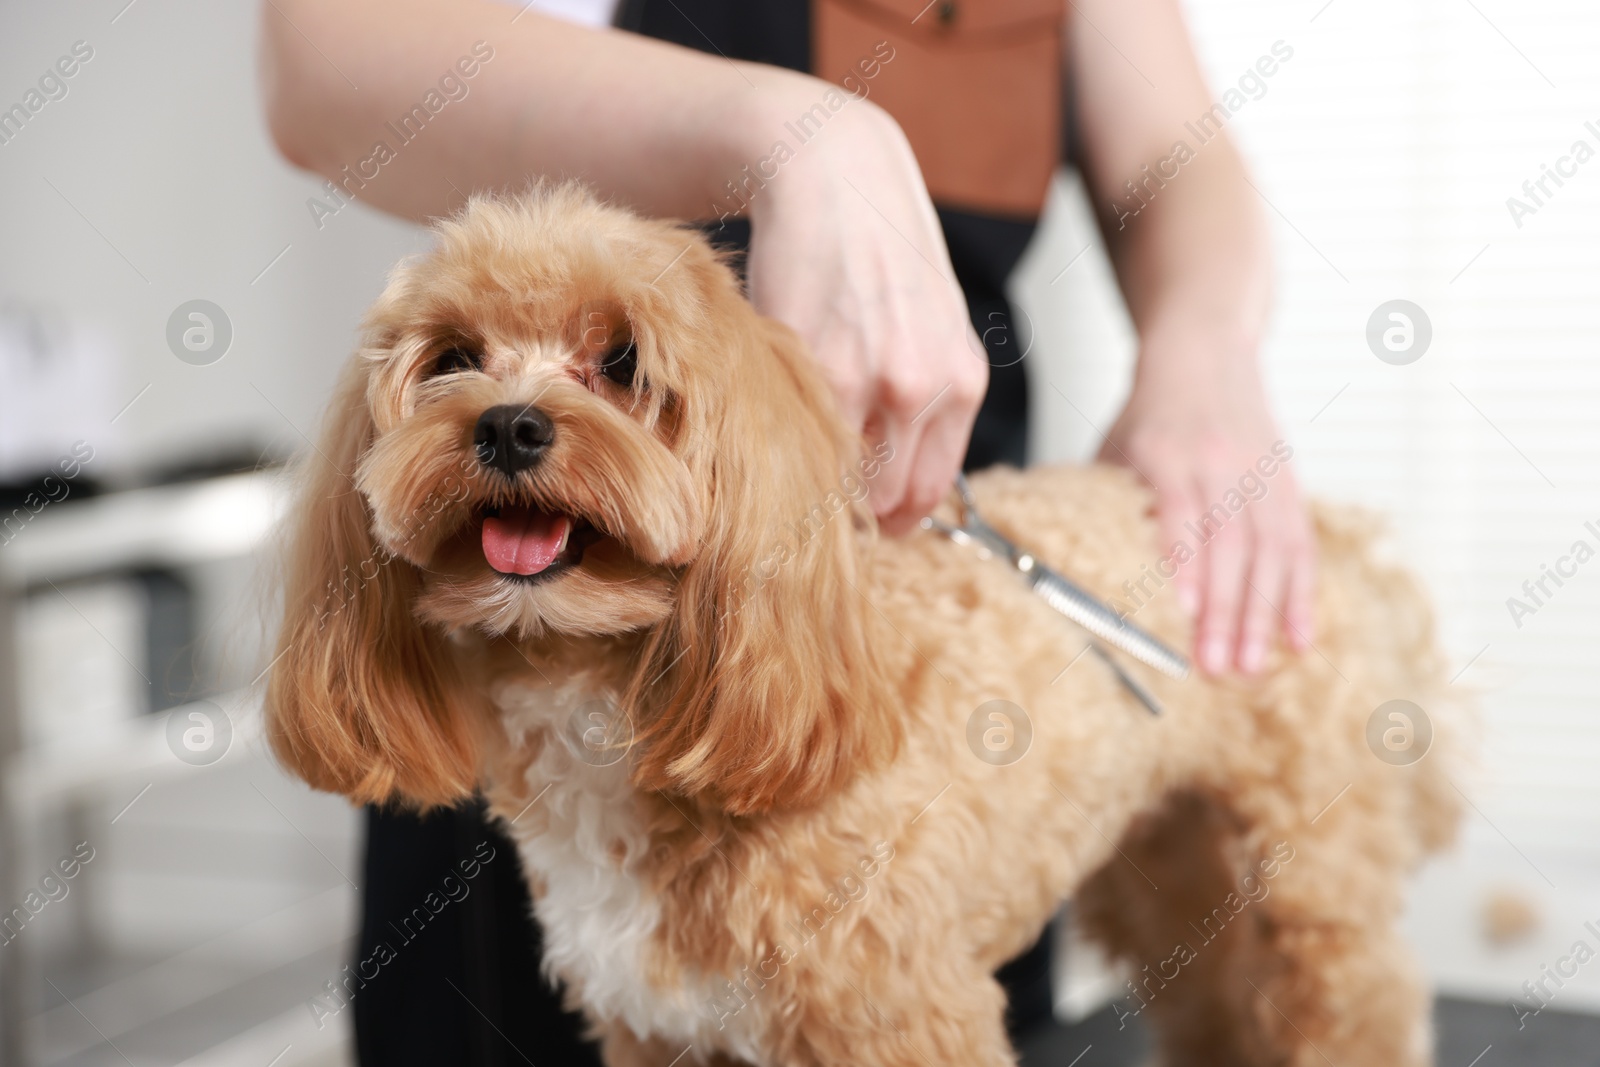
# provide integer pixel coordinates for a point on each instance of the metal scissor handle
(974, 530)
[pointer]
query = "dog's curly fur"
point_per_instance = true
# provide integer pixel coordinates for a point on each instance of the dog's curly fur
(784, 851)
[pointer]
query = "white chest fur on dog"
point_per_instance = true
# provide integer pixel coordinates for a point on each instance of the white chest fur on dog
(583, 850)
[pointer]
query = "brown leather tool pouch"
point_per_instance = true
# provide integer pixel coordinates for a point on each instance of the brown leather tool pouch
(975, 84)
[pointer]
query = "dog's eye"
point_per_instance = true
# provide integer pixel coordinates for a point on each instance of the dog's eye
(621, 364)
(455, 359)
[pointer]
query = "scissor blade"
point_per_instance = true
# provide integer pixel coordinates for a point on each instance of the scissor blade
(1082, 608)
(1140, 693)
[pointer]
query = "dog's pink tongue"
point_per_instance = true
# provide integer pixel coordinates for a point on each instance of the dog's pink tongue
(524, 540)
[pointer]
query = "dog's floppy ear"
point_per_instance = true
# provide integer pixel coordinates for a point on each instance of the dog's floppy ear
(760, 691)
(363, 699)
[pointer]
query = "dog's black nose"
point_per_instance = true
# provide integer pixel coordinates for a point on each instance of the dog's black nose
(512, 437)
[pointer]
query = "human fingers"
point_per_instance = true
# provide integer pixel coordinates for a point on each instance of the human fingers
(933, 466)
(1264, 596)
(1223, 560)
(1177, 503)
(895, 447)
(1300, 602)
(930, 398)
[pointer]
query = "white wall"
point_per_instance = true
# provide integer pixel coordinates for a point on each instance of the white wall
(161, 146)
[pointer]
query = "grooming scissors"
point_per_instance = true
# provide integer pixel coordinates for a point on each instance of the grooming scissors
(1067, 597)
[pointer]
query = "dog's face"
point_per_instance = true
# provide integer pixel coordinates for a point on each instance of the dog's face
(565, 422)
(538, 388)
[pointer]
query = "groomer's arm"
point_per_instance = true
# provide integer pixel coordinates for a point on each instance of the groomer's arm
(653, 125)
(847, 247)
(1191, 251)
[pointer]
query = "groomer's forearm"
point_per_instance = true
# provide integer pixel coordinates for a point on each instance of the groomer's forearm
(1186, 230)
(656, 126)
(1196, 264)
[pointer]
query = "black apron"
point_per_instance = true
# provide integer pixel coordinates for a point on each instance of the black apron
(466, 989)
(983, 249)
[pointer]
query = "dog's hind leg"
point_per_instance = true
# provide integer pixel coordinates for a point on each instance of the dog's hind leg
(1256, 944)
(1349, 990)
(1166, 905)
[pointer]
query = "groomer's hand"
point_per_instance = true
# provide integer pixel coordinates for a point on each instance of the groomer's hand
(847, 250)
(1197, 427)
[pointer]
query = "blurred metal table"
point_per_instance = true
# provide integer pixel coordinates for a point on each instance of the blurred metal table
(175, 526)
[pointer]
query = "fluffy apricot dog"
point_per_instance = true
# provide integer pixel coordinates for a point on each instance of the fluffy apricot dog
(585, 534)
